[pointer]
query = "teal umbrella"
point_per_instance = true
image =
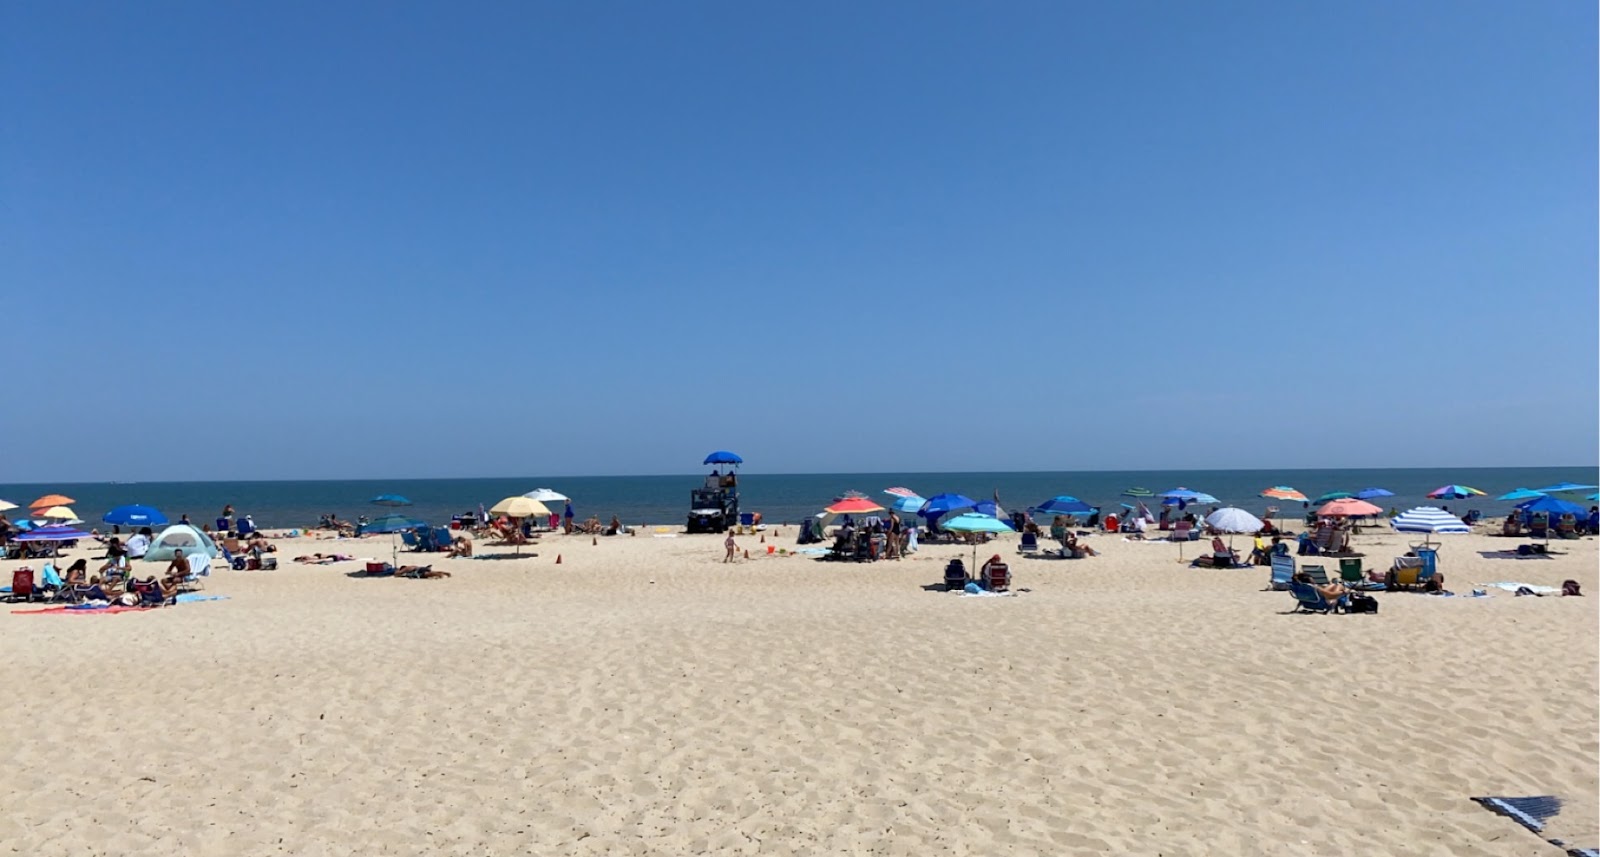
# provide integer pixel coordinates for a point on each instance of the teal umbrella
(1566, 488)
(1138, 492)
(1521, 494)
(972, 522)
(1333, 495)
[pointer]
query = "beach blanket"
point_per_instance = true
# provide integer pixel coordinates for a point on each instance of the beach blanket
(1532, 813)
(1513, 586)
(82, 610)
(191, 597)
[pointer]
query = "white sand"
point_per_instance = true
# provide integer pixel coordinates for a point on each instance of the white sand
(643, 698)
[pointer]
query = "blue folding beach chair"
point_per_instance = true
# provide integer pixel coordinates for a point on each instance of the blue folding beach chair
(409, 537)
(442, 538)
(1282, 571)
(1308, 599)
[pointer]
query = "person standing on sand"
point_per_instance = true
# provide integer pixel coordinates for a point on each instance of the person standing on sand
(731, 545)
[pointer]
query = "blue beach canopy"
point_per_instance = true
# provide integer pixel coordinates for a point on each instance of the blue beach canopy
(941, 503)
(972, 522)
(51, 534)
(135, 515)
(390, 500)
(1521, 494)
(1565, 487)
(1553, 505)
(722, 456)
(1372, 493)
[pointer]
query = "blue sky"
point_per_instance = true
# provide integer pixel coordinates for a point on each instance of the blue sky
(310, 240)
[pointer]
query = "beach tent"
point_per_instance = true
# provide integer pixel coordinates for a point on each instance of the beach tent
(181, 537)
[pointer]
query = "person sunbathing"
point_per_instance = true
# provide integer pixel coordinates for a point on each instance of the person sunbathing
(1331, 592)
(462, 546)
(420, 572)
(320, 559)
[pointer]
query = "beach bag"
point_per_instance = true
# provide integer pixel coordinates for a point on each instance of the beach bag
(1362, 604)
(1570, 587)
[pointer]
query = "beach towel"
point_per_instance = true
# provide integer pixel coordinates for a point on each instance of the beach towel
(1513, 586)
(1532, 813)
(82, 610)
(191, 597)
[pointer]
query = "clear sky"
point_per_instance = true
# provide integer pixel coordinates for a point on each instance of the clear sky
(341, 240)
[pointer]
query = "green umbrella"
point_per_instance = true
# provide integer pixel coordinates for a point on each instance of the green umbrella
(972, 522)
(1138, 492)
(1333, 495)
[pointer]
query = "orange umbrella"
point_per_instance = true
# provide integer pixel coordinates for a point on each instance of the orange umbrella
(1347, 507)
(49, 500)
(853, 506)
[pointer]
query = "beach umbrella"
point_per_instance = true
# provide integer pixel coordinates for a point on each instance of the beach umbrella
(545, 495)
(1283, 492)
(56, 513)
(49, 500)
(722, 456)
(908, 504)
(1594, 496)
(391, 523)
(1333, 495)
(901, 492)
(1346, 507)
(1064, 505)
(1429, 520)
(1138, 492)
(1372, 493)
(135, 516)
(1566, 488)
(1520, 494)
(1188, 496)
(1552, 505)
(52, 534)
(972, 522)
(853, 506)
(1232, 519)
(1453, 492)
(389, 500)
(7, 505)
(519, 507)
(940, 504)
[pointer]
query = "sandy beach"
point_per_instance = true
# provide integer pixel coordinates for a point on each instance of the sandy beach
(642, 697)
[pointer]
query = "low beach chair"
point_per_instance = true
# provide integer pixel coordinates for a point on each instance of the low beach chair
(1317, 573)
(1567, 527)
(22, 587)
(409, 539)
(1539, 525)
(1409, 572)
(996, 576)
(1028, 544)
(149, 593)
(1309, 600)
(747, 522)
(1350, 570)
(1180, 533)
(955, 575)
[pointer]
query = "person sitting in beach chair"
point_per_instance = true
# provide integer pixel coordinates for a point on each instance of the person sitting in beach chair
(955, 575)
(1261, 554)
(1074, 548)
(996, 574)
(461, 547)
(1512, 525)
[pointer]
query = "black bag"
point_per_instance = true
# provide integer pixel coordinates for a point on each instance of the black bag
(1570, 587)
(1363, 604)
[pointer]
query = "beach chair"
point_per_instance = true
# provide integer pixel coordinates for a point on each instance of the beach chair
(224, 525)
(1539, 525)
(441, 538)
(1180, 532)
(747, 522)
(955, 575)
(1567, 527)
(22, 588)
(1317, 573)
(996, 576)
(1409, 572)
(149, 593)
(243, 527)
(409, 539)
(1282, 571)
(1029, 543)
(1350, 570)
(1309, 600)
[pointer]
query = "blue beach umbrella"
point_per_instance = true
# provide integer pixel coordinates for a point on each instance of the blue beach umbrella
(1372, 493)
(1521, 494)
(390, 524)
(940, 504)
(52, 534)
(1187, 496)
(135, 516)
(1065, 505)
(722, 456)
(1594, 496)
(908, 504)
(1566, 488)
(1552, 505)
(390, 500)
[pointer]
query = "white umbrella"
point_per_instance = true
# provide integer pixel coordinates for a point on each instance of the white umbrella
(7, 505)
(545, 495)
(1232, 519)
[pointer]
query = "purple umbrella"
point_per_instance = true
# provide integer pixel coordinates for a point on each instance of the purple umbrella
(52, 534)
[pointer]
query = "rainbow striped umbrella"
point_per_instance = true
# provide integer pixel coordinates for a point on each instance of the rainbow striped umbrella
(1283, 492)
(1453, 492)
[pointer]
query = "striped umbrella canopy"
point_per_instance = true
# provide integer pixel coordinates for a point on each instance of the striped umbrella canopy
(908, 504)
(1429, 519)
(1138, 492)
(1283, 492)
(1520, 494)
(901, 492)
(1373, 493)
(1453, 492)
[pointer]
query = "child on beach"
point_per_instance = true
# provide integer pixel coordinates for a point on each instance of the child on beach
(731, 545)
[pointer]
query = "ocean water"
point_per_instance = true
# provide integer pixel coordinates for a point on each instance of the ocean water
(780, 498)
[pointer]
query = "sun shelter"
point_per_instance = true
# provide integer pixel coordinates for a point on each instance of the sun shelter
(181, 537)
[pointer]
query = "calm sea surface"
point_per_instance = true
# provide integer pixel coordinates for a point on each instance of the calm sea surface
(780, 498)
